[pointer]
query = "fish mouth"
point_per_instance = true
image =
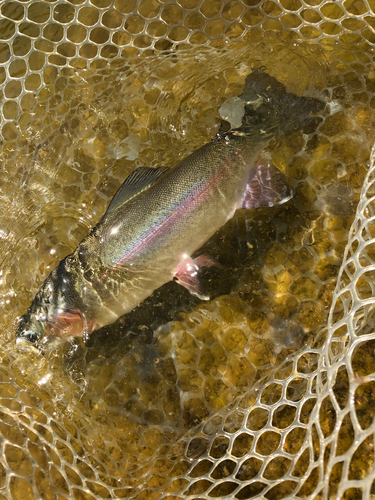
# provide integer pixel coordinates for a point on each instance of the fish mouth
(25, 344)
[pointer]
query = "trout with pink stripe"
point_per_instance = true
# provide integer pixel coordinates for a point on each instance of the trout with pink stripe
(160, 216)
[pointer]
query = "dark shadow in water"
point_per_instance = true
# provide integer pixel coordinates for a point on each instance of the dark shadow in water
(235, 246)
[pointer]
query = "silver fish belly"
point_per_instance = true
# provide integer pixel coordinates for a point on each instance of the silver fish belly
(160, 217)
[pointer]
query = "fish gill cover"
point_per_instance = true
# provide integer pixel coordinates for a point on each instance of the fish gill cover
(260, 393)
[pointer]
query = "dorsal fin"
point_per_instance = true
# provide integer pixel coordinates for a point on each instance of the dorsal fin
(139, 180)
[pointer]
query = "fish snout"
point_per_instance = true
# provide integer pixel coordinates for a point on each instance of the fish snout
(27, 341)
(29, 333)
(26, 344)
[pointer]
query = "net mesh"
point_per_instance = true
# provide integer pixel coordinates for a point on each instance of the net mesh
(267, 390)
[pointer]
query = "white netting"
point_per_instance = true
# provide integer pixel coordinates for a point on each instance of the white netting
(261, 393)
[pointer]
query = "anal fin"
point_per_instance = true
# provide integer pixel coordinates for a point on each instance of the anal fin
(267, 187)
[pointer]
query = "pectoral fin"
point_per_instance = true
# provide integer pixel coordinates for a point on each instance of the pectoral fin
(139, 180)
(267, 187)
(66, 324)
(187, 274)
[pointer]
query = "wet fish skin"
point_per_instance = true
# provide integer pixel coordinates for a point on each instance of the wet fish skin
(137, 248)
(150, 230)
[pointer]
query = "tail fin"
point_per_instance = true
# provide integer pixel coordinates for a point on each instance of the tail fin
(270, 109)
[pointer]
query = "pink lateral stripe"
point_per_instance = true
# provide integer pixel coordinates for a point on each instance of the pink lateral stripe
(184, 208)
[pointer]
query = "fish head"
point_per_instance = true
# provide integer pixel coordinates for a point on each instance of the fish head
(55, 312)
(39, 331)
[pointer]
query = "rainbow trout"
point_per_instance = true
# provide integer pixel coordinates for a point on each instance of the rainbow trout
(160, 216)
